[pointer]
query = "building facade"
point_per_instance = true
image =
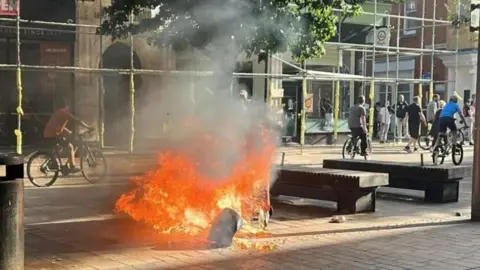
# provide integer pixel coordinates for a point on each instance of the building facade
(412, 34)
(462, 67)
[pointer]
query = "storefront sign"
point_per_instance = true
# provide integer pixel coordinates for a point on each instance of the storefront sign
(9, 7)
(11, 31)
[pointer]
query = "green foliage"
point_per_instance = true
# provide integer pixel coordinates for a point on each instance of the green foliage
(460, 15)
(253, 26)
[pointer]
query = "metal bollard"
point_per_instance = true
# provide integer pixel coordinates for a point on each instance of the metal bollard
(11, 213)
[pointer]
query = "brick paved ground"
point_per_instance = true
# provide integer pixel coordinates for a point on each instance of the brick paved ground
(71, 226)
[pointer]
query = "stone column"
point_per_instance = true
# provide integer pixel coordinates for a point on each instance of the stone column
(87, 55)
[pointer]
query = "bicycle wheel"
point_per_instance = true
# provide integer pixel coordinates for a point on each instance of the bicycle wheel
(457, 154)
(93, 160)
(348, 149)
(425, 142)
(439, 151)
(39, 166)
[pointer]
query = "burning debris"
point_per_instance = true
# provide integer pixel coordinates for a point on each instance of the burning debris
(179, 197)
(224, 228)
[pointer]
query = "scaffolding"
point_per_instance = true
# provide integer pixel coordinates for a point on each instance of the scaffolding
(370, 53)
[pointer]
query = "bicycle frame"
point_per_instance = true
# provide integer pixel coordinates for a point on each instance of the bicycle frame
(80, 144)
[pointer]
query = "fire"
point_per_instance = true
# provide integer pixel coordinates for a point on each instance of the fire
(181, 197)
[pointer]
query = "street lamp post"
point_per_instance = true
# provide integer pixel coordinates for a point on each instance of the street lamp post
(476, 154)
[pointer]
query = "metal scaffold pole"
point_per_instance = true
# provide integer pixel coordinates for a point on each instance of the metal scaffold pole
(337, 87)
(398, 137)
(18, 131)
(422, 45)
(372, 83)
(432, 57)
(475, 216)
(132, 92)
(101, 89)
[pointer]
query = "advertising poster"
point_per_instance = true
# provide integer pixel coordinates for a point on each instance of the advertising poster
(309, 103)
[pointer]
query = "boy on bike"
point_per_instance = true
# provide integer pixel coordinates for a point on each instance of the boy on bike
(357, 123)
(447, 120)
(436, 121)
(56, 131)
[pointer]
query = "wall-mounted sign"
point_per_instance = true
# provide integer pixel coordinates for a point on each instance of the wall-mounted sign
(9, 7)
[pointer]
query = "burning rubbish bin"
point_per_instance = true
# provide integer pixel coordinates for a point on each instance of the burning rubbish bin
(224, 228)
(11, 213)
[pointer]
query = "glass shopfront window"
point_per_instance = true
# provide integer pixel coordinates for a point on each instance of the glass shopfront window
(42, 89)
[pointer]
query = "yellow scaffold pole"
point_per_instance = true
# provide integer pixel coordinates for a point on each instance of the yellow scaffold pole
(336, 110)
(371, 110)
(336, 102)
(132, 93)
(420, 92)
(18, 131)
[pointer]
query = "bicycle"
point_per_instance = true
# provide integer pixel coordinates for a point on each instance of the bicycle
(426, 141)
(351, 147)
(90, 158)
(446, 148)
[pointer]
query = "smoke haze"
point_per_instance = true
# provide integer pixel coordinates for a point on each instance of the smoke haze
(201, 115)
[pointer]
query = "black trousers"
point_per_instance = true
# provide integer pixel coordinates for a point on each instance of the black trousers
(359, 132)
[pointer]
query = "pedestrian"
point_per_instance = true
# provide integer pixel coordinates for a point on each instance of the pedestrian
(414, 116)
(385, 120)
(328, 112)
(376, 117)
(467, 113)
(432, 109)
(401, 123)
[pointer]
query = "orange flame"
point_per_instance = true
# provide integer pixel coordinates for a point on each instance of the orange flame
(179, 197)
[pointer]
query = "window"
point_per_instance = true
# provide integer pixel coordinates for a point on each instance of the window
(410, 8)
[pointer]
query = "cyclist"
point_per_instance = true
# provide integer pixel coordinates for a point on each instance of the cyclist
(56, 131)
(436, 121)
(357, 123)
(447, 120)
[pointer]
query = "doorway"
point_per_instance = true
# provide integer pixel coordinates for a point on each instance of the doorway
(116, 98)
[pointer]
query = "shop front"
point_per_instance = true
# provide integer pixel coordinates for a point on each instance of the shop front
(43, 89)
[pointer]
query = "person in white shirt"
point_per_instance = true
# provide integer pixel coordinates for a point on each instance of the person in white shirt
(385, 120)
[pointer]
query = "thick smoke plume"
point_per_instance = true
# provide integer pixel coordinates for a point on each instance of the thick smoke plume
(205, 116)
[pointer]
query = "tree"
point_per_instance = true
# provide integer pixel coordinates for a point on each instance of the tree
(227, 27)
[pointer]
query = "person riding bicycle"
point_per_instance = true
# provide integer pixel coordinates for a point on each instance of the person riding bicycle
(357, 123)
(447, 120)
(56, 131)
(436, 121)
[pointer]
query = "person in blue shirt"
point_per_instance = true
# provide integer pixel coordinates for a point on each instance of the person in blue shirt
(447, 120)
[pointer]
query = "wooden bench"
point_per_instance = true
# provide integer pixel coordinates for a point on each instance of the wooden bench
(353, 191)
(440, 183)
